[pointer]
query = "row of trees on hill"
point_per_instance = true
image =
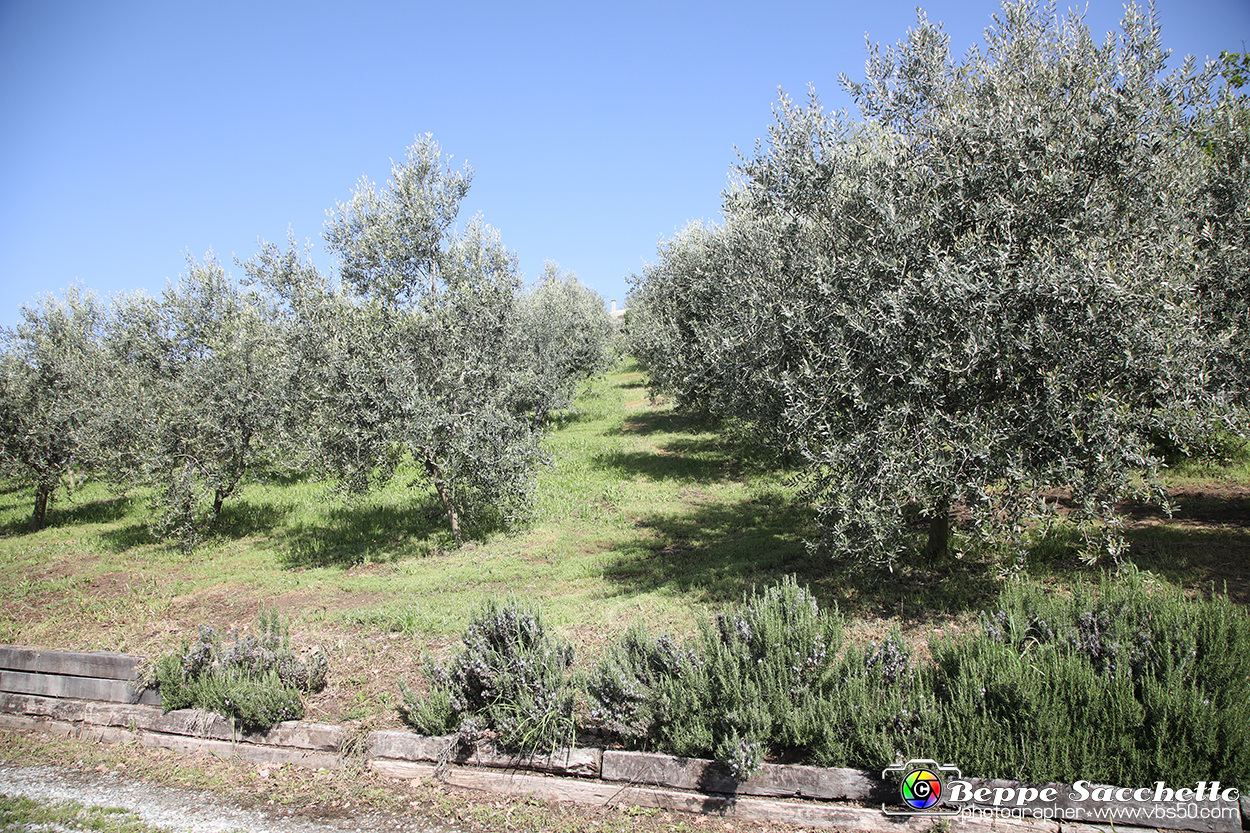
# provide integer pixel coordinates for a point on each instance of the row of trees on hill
(1018, 275)
(425, 347)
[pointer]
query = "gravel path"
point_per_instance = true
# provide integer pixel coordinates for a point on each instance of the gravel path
(181, 810)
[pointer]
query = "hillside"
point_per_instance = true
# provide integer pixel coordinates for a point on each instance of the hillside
(643, 516)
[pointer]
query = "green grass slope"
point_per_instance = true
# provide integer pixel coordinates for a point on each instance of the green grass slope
(644, 516)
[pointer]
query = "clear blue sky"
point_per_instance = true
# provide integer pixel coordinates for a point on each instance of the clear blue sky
(132, 133)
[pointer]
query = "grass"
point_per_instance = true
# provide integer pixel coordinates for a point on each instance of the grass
(644, 515)
(67, 816)
(633, 520)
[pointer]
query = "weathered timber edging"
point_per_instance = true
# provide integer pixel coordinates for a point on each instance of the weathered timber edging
(97, 696)
(406, 746)
(643, 769)
(99, 675)
(699, 785)
(824, 815)
(773, 780)
(313, 745)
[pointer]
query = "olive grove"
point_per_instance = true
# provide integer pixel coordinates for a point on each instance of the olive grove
(422, 350)
(1015, 276)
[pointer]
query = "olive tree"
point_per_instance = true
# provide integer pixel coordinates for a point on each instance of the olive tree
(981, 293)
(416, 352)
(198, 389)
(49, 368)
(568, 337)
(1222, 217)
(675, 306)
(706, 321)
(1235, 68)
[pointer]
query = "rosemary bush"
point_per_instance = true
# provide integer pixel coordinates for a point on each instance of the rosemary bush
(1136, 682)
(509, 685)
(876, 711)
(1128, 683)
(255, 681)
(750, 683)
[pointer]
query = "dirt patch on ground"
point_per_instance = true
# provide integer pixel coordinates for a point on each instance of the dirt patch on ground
(228, 607)
(1210, 505)
(224, 607)
(365, 671)
(1204, 546)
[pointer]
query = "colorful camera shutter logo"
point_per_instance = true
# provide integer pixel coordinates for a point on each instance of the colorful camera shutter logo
(921, 789)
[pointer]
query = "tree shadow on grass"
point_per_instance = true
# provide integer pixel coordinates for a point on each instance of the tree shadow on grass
(716, 553)
(281, 477)
(721, 552)
(665, 422)
(1209, 558)
(1197, 508)
(103, 511)
(679, 468)
(127, 537)
(572, 416)
(1204, 545)
(66, 513)
(239, 519)
(354, 534)
(242, 518)
(699, 458)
